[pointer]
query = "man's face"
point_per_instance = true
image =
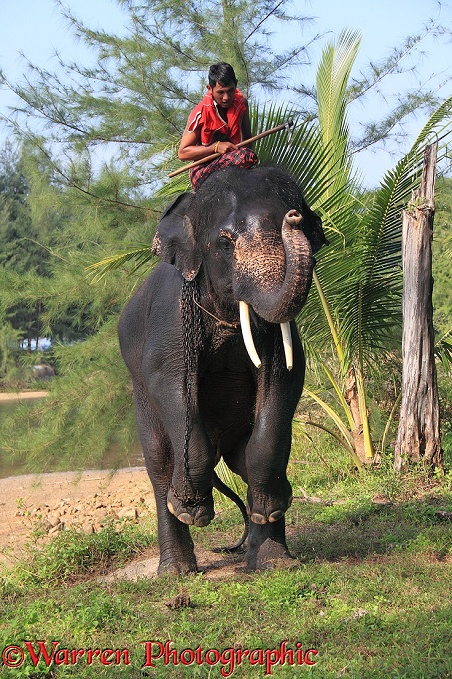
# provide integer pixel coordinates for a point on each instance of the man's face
(223, 94)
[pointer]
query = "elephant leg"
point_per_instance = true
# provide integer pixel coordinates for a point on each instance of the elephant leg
(267, 455)
(189, 495)
(268, 449)
(176, 545)
(267, 545)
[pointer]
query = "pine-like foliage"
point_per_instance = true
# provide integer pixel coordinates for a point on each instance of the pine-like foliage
(98, 142)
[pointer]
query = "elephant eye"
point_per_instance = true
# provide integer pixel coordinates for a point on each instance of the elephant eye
(226, 243)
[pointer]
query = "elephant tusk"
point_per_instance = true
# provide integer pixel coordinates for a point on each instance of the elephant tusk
(287, 342)
(246, 332)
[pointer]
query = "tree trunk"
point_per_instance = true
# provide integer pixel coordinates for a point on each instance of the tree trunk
(351, 396)
(364, 448)
(418, 437)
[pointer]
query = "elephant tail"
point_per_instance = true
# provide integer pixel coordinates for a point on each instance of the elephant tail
(223, 488)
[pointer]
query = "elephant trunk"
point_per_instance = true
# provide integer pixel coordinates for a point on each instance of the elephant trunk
(278, 284)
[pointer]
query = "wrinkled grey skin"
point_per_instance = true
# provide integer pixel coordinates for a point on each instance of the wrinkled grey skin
(230, 241)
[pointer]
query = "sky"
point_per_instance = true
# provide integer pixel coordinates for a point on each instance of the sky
(36, 29)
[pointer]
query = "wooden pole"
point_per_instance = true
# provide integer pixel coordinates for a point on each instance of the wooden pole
(207, 159)
(418, 437)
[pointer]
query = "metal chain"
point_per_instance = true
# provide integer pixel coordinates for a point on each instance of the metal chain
(192, 334)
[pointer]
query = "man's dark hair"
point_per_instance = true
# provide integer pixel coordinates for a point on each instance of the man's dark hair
(221, 73)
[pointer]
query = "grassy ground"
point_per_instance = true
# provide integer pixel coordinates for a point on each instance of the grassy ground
(368, 596)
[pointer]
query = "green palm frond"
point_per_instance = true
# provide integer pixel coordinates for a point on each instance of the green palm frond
(332, 79)
(302, 153)
(443, 350)
(371, 303)
(140, 254)
(382, 223)
(360, 271)
(175, 186)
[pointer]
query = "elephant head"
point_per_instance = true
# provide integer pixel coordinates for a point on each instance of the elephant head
(252, 236)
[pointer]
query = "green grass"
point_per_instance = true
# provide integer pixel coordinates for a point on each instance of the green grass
(369, 589)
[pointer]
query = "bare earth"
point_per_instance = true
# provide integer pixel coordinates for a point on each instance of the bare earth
(84, 501)
(21, 395)
(94, 494)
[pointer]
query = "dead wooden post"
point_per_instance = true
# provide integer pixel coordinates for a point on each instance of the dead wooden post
(418, 437)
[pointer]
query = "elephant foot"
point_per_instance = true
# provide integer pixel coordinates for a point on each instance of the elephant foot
(172, 567)
(177, 554)
(270, 555)
(268, 508)
(193, 512)
(267, 547)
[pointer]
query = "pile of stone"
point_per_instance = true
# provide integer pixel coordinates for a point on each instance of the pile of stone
(90, 514)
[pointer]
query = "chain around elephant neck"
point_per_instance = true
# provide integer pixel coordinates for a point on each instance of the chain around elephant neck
(218, 320)
(192, 333)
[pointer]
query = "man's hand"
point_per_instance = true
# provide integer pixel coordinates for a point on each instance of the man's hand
(225, 146)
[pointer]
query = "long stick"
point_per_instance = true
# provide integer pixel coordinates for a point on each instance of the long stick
(207, 159)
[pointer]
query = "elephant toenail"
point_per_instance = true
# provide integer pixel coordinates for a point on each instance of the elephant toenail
(276, 516)
(170, 507)
(186, 518)
(258, 518)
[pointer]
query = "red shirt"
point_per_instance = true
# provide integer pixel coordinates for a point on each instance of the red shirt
(206, 117)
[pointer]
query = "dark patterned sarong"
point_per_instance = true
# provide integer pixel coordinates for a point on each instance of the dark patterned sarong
(243, 157)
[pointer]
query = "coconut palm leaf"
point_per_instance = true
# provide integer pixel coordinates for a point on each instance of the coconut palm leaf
(331, 85)
(358, 276)
(140, 255)
(176, 185)
(302, 153)
(382, 223)
(370, 305)
(360, 271)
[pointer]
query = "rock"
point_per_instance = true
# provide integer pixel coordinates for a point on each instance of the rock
(53, 519)
(43, 371)
(179, 601)
(128, 513)
(54, 530)
(91, 513)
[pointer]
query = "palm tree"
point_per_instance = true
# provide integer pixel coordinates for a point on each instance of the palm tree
(354, 317)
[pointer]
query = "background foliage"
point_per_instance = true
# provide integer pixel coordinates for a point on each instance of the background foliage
(83, 179)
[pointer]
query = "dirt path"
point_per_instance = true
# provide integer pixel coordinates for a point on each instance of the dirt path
(21, 395)
(61, 500)
(55, 501)
(58, 500)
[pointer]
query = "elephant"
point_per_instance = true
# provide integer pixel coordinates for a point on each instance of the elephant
(235, 257)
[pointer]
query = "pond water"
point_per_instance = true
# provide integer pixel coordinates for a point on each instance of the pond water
(114, 458)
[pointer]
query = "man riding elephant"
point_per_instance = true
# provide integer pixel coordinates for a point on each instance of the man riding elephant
(216, 125)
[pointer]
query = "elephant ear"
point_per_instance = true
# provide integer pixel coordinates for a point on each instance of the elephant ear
(174, 240)
(312, 229)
